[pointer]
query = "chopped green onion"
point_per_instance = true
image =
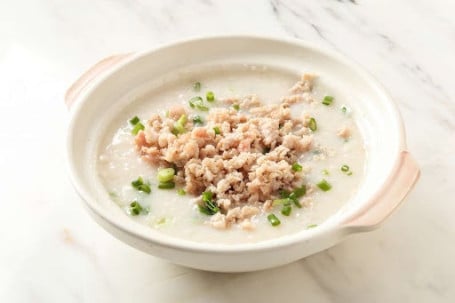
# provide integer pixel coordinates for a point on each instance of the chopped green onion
(137, 128)
(286, 210)
(145, 188)
(209, 207)
(210, 96)
(134, 120)
(166, 174)
(198, 120)
(137, 182)
(179, 125)
(217, 130)
(349, 173)
(284, 201)
(311, 226)
(181, 192)
(299, 191)
(273, 220)
(284, 193)
(312, 124)
(207, 196)
(344, 109)
(325, 172)
(327, 100)
(135, 208)
(296, 167)
(197, 86)
(236, 106)
(324, 185)
(198, 103)
(344, 168)
(166, 185)
(141, 186)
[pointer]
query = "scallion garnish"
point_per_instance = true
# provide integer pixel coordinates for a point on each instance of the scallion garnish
(273, 220)
(349, 173)
(344, 109)
(217, 130)
(198, 120)
(141, 186)
(344, 168)
(197, 86)
(166, 174)
(312, 124)
(324, 185)
(134, 120)
(210, 96)
(209, 207)
(299, 191)
(179, 125)
(311, 226)
(296, 167)
(327, 100)
(198, 103)
(286, 210)
(166, 185)
(236, 106)
(181, 192)
(137, 128)
(325, 172)
(135, 208)
(283, 201)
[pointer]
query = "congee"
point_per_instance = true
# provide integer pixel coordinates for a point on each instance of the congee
(234, 157)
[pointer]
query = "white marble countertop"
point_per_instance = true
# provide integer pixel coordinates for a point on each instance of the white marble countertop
(51, 250)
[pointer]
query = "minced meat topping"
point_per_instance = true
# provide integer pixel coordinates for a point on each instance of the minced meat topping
(242, 151)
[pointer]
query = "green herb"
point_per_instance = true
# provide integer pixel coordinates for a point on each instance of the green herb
(197, 86)
(349, 173)
(312, 124)
(286, 210)
(207, 196)
(284, 193)
(327, 100)
(166, 174)
(134, 120)
(141, 186)
(135, 208)
(284, 201)
(344, 168)
(324, 185)
(217, 130)
(181, 192)
(166, 185)
(198, 103)
(210, 96)
(179, 125)
(325, 172)
(236, 106)
(198, 120)
(273, 220)
(209, 207)
(137, 128)
(299, 191)
(311, 226)
(296, 167)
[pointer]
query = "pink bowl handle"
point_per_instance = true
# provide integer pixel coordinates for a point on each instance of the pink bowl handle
(402, 180)
(91, 74)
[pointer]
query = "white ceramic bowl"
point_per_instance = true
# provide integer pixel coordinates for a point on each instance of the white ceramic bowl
(391, 172)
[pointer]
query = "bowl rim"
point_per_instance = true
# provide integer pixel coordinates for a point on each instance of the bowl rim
(326, 228)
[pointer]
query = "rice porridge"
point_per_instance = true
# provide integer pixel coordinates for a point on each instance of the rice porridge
(232, 157)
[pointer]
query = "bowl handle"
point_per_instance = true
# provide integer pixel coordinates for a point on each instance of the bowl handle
(91, 74)
(402, 180)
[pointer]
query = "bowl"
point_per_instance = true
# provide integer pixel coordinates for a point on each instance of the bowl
(390, 173)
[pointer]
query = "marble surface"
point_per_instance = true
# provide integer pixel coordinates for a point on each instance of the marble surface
(51, 250)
